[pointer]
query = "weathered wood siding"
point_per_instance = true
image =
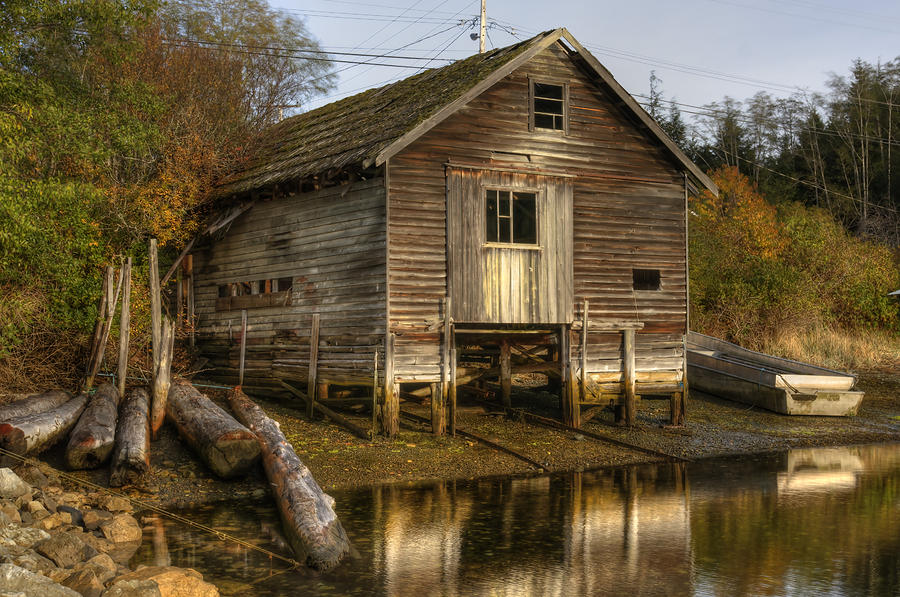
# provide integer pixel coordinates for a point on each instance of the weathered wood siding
(332, 244)
(509, 284)
(628, 212)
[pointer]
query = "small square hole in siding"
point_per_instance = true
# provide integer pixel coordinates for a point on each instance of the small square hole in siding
(645, 279)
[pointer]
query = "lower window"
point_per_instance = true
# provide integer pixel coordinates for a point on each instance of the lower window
(511, 217)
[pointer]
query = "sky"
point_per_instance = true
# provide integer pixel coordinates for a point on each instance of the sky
(701, 50)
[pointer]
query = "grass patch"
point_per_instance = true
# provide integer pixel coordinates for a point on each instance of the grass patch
(836, 349)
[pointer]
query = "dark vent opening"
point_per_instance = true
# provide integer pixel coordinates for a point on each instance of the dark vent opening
(645, 279)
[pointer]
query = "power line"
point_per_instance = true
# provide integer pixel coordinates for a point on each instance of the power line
(292, 51)
(804, 17)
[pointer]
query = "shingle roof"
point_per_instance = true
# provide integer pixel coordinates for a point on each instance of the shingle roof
(369, 127)
(358, 128)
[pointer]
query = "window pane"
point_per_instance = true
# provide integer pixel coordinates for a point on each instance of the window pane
(543, 121)
(491, 216)
(545, 90)
(548, 106)
(504, 225)
(504, 203)
(524, 219)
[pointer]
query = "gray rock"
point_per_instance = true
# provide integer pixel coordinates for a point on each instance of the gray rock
(15, 579)
(35, 477)
(11, 485)
(132, 588)
(21, 536)
(65, 549)
(32, 561)
(103, 566)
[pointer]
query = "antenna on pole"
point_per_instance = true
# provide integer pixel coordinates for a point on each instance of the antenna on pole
(483, 26)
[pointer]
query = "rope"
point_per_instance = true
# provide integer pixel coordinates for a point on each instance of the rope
(147, 506)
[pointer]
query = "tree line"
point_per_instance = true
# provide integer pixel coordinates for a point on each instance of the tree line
(838, 149)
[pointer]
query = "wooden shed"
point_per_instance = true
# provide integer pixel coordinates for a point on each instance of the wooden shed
(515, 211)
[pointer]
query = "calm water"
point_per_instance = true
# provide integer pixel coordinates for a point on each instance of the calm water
(805, 522)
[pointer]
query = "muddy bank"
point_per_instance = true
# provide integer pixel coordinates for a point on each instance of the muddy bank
(339, 460)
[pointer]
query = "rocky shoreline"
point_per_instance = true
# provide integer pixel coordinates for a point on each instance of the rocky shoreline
(60, 543)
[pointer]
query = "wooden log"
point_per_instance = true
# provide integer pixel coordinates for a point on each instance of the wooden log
(226, 446)
(307, 513)
(313, 365)
(124, 326)
(131, 455)
(628, 366)
(33, 404)
(33, 433)
(162, 378)
(505, 374)
(92, 439)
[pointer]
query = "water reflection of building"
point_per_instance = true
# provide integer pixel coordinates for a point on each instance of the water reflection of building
(613, 532)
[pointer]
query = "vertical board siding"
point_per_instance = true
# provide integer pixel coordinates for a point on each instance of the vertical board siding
(332, 243)
(627, 212)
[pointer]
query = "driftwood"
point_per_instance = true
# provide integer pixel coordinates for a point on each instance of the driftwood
(33, 433)
(131, 455)
(307, 512)
(227, 447)
(91, 441)
(32, 404)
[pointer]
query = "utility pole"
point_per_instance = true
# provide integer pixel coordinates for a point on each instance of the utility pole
(483, 26)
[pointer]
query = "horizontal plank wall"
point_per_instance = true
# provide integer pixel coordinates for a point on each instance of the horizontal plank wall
(628, 212)
(331, 243)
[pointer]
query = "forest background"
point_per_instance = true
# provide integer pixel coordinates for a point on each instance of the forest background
(117, 117)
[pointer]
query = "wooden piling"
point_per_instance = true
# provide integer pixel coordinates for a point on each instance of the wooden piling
(439, 400)
(571, 409)
(628, 369)
(505, 373)
(162, 375)
(390, 409)
(375, 394)
(189, 283)
(155, 304)
(313, 366)
(243, 347)
(452, 395)
(124, 326)
(584, 346)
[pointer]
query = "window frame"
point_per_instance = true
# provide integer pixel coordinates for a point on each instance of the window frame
(253, 294)
(538, 198)
(532, 80)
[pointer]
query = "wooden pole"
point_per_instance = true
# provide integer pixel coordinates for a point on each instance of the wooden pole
(243, 346)
(439, 400)
(452, 381)
(124, 327)
(155, 306)
(179, 299)
(177, 262)
(102, 308)
(162, 376)
(375, 395)
(390, 410)
(584, 345)
(570, 405)
(505, 373)
(112, 298)
(628, 370)
(189, 282)
(313, 365)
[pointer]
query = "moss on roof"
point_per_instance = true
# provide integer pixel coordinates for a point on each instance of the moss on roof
(358, 128)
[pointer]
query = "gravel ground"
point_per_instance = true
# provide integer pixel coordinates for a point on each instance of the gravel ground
(339, 460)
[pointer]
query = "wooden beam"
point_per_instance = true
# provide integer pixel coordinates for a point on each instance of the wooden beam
(628, 367)
(375, 395)
(571, 408)
(452, 381)
(177, 262)
(313, 365)
(438, 411)
(337, 418)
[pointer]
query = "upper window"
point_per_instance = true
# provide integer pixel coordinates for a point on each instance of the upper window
(548, 106)
(511, 217)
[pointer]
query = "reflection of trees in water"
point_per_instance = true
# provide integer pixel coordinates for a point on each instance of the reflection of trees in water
(827, 519)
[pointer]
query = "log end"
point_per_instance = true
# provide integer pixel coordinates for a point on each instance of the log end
(87, 454)
(12, 439)
(331, 550)
(233, 454)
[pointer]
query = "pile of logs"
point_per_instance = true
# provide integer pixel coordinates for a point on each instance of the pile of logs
(103, 427)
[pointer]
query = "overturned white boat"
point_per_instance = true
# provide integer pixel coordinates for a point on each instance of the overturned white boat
(788, 387)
